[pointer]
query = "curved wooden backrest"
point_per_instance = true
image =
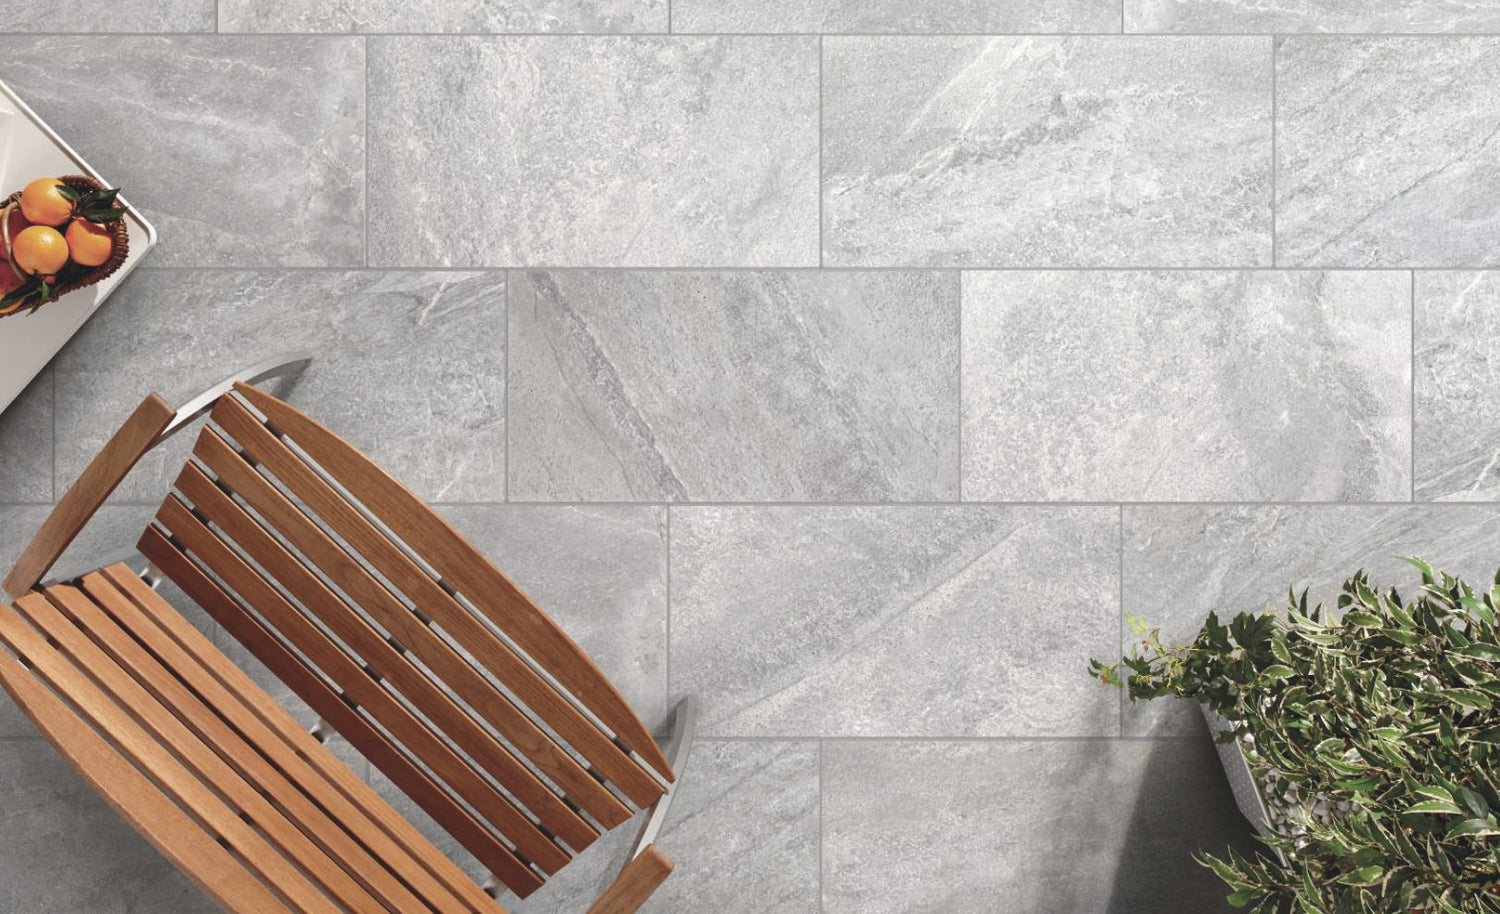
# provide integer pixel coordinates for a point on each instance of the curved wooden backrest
(404, 638)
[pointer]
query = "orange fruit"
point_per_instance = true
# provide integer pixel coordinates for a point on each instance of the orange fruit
(89, 243)
(39, 250)
(43, 204)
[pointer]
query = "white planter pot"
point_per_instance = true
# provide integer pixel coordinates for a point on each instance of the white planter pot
(1247, 793)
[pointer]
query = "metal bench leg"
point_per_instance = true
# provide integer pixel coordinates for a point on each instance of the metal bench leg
(289, 365)
(679, 744)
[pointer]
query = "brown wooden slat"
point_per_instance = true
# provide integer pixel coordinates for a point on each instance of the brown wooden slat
(84, 497)
(392, 562)
(268, 725)
(177, 781)
(423, 643)
(227, 611)
(460, 563)
(112, 621)
(449, 719)
(636, 882)
(151, 812)
(198, 757)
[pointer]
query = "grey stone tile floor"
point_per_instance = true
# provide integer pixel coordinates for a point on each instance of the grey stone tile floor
(854, 366)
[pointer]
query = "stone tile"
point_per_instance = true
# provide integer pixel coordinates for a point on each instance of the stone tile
(744, 826)
(1311, 16)
(26, 445)
(737, 386)
(242, 151)
(113, 530)
(600, 572)
(1181, 562)
(1385, 152)
(68, 852)
(890, 621)
(409, 367)
(1457, 386)
(1167, 386)
(594, 151)
(116, 16)
(897, 16)
(465, 16)
(1087, 825)
(1046, 151)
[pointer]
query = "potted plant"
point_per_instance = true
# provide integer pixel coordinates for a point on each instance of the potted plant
(1371, 736)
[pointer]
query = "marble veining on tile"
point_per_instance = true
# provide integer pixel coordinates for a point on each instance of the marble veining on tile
(1457, 373)
(1388, 152)
(894, 621)
(1179, 386)
(408, 366)
(978, 828)
(1183, 561)
(242, 151)
(1045, 151)
(896, 16)
(375, 16)
(1312, 16)
(734, 386)
(584, 151)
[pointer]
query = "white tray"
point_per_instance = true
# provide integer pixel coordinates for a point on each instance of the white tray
(30, 149)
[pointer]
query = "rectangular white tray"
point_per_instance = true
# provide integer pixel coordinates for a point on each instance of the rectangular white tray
(30, 149)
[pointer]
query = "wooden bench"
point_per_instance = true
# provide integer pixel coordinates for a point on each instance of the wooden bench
(376, 613)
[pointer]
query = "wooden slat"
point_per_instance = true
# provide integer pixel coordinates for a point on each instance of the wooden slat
(177, 781)
(83, 498)
(373, 649)
(422, 642)
(641, 877)
(460, 563)
(151, 812)
(398, 568)
(162, 725)
(267, 724)
(290, 669)
(112, 621)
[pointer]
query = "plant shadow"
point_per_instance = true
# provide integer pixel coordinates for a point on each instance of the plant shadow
(1184, 807)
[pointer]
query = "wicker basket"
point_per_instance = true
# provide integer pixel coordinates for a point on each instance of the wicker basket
(72, 276)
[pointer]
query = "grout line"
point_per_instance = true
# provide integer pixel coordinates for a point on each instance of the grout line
(1274, 202)
(1412, 406)
(218, 20)
(510, 277)
(1120, 619)
(669, 17)
(926, 738)
(820, 153)
(960, 385)
(439, 36)
(910, 504)
(822, 833)
(667, 664)
(367, 151)
(772, 268)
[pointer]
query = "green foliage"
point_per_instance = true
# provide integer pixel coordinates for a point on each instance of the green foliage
(1376, 727)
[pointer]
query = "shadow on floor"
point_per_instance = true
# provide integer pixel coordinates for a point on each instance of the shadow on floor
(1185, 806)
